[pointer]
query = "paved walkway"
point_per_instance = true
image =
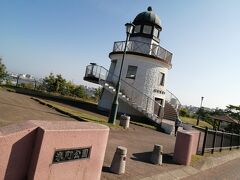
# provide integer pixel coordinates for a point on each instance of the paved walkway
(229, 170)
(139, 141)
(17, 107)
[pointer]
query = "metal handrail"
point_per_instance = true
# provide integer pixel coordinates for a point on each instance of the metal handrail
(108, 72)
(102, 73)
(144, 48)
(220, 132)
(169, 96)
(135, 97)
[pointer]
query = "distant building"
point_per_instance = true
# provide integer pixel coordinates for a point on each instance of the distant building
(194, 109)
(15, 78)
(223, 121)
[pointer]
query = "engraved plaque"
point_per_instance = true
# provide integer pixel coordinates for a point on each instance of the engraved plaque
(71, 154)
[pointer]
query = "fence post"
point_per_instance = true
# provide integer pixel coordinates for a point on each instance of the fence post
(213, 143)
(231, 142)
(204, 140)
(17, 80)
(238, 140)
(221, 142)
(35, 84)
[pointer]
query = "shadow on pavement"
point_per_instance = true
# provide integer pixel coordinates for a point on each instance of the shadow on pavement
(143, 157)
(146, 156)
(106, 169)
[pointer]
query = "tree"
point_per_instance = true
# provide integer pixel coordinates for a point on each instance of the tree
(3, 71)
(234, 112)
(54, 83)
(205, 115)
(184, 112)
(49, 83)
(80, 91)
(60, 84)
(67, 89)
(97, 93)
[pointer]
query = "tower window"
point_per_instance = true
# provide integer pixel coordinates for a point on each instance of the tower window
(155, 32)
(137, 29)
(131, 72)
(147, 29)
(161, 79)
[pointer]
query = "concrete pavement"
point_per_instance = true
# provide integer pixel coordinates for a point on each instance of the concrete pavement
(229, 170)
(139, 141)
(221, 167)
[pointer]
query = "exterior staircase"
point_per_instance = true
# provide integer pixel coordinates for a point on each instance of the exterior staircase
(99, 75)
(169, 112)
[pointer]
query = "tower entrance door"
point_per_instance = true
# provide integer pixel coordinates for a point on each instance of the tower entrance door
(158, 109)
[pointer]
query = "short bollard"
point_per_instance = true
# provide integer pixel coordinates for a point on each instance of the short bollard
(119, 160)
(124, 121)
(157, 153)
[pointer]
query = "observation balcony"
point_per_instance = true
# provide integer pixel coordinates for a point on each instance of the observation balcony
(144, 49)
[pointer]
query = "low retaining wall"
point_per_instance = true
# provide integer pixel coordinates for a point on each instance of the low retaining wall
(52, 150)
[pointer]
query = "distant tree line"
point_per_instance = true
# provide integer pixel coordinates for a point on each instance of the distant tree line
(57, 84)
(231, 110)
(3, 71)
(52, 84)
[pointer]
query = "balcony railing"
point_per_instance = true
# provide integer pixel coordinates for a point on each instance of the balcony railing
(144, 48)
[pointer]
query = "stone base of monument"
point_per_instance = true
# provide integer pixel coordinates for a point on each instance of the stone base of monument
(53, 150)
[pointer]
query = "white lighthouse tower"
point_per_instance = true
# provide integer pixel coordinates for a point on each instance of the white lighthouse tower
(144, 71)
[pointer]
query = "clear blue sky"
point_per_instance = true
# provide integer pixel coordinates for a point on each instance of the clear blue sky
(60, 36)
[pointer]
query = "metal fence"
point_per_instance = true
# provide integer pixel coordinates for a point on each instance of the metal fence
(213, 140)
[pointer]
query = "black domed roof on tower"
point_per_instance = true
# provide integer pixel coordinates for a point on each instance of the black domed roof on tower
(147, 17)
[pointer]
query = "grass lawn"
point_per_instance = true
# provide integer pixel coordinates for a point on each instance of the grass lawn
(43, 94)
(193, 121)
(76, 114)
(84, 116)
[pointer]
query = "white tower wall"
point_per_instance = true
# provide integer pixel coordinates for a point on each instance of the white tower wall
(146, 80)
(144, 84)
